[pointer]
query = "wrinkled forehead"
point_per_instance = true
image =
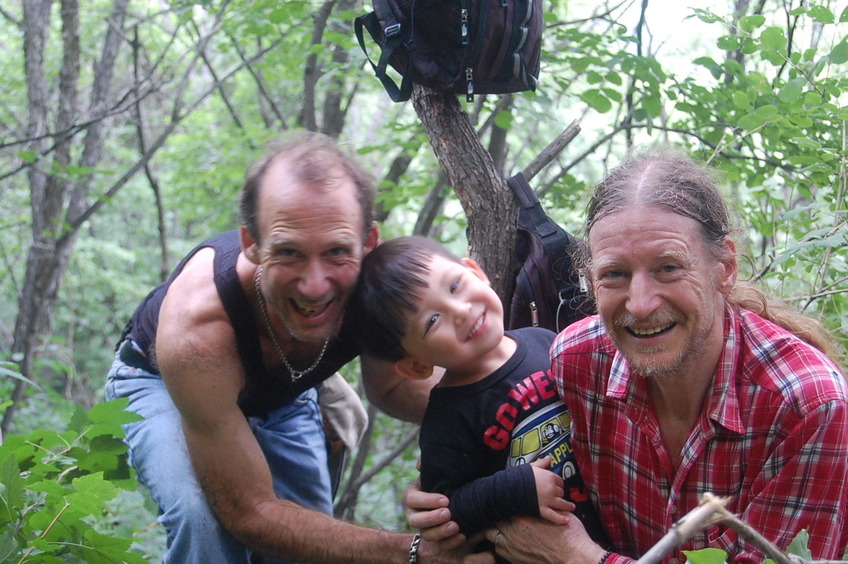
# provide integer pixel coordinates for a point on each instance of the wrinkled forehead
(642, 222)
(283, 196)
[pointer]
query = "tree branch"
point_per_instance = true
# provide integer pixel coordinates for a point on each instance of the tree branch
(550, 152)
(712, 510)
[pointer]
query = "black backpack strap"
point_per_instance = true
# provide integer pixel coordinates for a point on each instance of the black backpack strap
(522, 190)
(393, 37)
(533, 217)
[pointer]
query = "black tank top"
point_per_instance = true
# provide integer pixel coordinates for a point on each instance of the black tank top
(265, 390)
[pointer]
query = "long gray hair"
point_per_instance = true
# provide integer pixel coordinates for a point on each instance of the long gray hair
(671, 179)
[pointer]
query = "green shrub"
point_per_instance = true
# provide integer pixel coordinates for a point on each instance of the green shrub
(55, 488)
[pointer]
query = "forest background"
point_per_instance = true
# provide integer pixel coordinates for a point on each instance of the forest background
(126, 128)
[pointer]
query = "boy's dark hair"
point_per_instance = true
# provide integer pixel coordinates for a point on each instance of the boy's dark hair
(388, 287)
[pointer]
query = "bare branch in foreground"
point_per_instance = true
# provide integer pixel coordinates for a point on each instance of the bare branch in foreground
(712, 510)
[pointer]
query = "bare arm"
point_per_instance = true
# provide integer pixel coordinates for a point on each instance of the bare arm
(198, 360)
(400, 397)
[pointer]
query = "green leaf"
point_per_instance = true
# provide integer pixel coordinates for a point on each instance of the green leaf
(740, 100)
(614, 78)
(806, 144)
(612, 94)
(596, 100)
(821, 14)
(108, 549)
(802, 160)
(278, 16)
(774, 38)
(799, 545)
(504, 120)
(594, 77)
(582, 63)
(750, 121)
(28, 156)
(749, 46)
(767, 112)
(706, 556)
(792, 90)
(775, 58)
(812, 99)
(12, 494)
(109, 417)
(92, 493)
(653, 105)
(728, 42)
(8, 546)
(53, 491)
(706, 16)
(795, 213)
(705, 61)
(10, 370)
(839, 55)
(750, 23)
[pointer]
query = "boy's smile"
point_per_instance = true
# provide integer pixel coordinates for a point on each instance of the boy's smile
(459, 322)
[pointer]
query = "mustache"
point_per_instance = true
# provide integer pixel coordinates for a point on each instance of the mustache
(627, 319)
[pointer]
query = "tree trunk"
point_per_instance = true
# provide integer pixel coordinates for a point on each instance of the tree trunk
(485, 197)
(57, 198)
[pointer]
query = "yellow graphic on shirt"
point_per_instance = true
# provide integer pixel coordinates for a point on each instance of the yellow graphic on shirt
(546, 433)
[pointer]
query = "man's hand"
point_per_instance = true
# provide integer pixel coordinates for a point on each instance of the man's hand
(429, 513)
(526, 540)
(436, 553)
(550, 491)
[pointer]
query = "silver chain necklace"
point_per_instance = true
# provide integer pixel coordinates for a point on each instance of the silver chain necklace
(295, 374)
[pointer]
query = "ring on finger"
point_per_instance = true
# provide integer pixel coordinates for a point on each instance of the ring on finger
(497, 538)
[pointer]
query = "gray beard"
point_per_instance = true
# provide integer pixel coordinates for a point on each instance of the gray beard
(647, 367)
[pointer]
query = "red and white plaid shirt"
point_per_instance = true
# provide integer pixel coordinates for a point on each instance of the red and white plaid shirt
(773, 437)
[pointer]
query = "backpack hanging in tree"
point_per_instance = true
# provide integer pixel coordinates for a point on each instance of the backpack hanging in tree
(459, 46)
(548, 290)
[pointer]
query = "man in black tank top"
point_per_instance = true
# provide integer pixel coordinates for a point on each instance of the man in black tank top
(222, 361)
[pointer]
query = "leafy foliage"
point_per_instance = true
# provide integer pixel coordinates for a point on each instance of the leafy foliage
(797, 547)
(55, 487)
(777, 128)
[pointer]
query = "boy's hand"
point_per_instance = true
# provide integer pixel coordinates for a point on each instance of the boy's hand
(550, 490)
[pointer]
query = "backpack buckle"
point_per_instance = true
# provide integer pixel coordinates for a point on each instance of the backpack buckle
(391, 30)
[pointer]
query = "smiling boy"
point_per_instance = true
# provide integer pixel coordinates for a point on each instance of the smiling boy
(495, 422)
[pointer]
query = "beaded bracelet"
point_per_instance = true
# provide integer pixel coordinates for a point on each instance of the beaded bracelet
(605, 557)
(413, 549)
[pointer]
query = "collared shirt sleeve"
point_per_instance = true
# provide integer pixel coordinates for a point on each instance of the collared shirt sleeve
(802, 486)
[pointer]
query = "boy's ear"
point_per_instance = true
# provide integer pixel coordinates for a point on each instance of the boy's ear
(474, 267)
(413, 369)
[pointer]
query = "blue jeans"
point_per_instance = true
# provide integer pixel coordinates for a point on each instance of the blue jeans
(291, 437)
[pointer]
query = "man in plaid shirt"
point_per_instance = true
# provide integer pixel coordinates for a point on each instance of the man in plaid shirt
(683, 385)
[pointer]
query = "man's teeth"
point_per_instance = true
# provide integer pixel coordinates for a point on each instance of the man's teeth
(310, 311)
(649, 331)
